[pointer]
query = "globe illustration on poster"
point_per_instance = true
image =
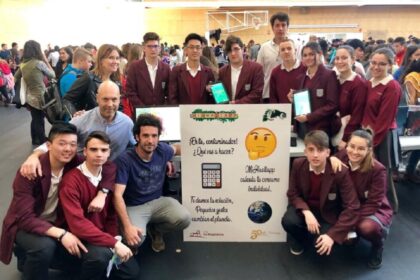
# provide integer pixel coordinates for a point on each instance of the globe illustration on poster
(259, 212)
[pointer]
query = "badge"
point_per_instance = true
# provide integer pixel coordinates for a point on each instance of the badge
(247, 87)
(332, 196)
(320, 92)
(163, 85)
(366, 194)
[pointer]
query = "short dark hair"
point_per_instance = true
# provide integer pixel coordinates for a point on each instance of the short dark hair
(150, 36)
(147, 120)
(356, 43)
(318, 138)
(400, 40)
(193, 36)
(280, 16)
(230, 40)
(60, 127)
(14, 44)
(100, 135)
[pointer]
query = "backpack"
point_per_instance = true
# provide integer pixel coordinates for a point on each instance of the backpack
(52, 103)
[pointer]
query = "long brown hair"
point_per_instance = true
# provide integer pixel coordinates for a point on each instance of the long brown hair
(368, 162)
(103, 52)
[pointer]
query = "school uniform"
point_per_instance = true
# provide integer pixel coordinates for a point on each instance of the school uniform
(283, 80)
(249, 84)
(141, 90)
(380, 116)
(187, 89)
(352, 102)
(324, 95)
(330, 196)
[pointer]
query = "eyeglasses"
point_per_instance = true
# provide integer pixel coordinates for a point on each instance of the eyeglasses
(152, 46)
(197, 48)
(379, 64)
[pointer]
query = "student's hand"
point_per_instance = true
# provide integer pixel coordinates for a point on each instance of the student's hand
(122, 251)
(170, 169)
(98, 203)
(132, 235)
(311, 222)
(301, 118)
(324, 244)
(73, 245)
(208, 88)
(341, 145)
(78, 113)
(31, 168)
(336, 164)
(290, 95)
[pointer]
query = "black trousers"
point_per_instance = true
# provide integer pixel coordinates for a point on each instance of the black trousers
(39, 253)
(95, 263)
(37, 126)
(294, 224)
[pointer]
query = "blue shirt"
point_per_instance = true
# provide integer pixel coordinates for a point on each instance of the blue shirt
(68, 78)
(143, 180)
(120, 130)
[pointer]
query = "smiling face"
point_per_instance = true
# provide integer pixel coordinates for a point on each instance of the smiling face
(63, 148)
(193, 50)
(110, 64)
(357, 150)
(260, 142)
(343, 61)
(379, 66)
(310, 58)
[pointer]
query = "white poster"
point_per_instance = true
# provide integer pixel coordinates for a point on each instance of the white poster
(235, 171)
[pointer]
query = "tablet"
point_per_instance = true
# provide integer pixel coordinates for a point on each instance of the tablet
(219, 93)
(302, 102)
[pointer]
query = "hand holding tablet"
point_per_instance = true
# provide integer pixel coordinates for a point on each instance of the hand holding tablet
(301, 102)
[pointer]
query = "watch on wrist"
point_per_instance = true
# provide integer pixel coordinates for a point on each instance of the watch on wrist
(104, 190)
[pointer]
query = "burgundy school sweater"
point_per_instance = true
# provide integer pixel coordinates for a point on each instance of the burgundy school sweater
(96, 228)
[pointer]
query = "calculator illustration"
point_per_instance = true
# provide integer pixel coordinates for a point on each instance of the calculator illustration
(211, 175)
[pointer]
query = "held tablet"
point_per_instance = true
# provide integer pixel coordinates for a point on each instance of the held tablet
(219, 93)
(302, 102)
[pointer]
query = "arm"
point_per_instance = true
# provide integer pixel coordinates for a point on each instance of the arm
(107, 182)
(46, 69)
(273, 88)
(132, 91)
(294, 193)
(132, 234)
(71, 201)
(31, 167)
(257, 86)
(377, 192)
(350, 205)
(330, 106)
(358, 103)
(411, 92)
(173, 93)
(387, 112)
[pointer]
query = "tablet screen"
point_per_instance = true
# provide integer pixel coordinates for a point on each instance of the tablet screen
(302, 102)
(219, 93)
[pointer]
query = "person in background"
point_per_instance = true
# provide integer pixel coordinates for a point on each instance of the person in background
(399, 46)
(33, 69)
(352, 93)
(412, 53)
(65, 58)
(54, 56)
(209, 59)
(268, 55)
(188, 81)
(82, 94)
(242, 79)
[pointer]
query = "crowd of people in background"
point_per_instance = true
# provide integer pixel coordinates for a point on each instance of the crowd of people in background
(355, 89)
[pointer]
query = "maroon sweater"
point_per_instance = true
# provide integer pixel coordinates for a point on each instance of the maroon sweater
(282, 81)
(97, 228)
(353, 95)
(371, 190)
(381, 109)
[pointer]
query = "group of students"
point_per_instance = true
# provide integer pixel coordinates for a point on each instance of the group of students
(342, 103)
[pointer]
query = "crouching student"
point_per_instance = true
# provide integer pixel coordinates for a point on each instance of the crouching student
(369, 178)
(97, 229)
(30, 227)
(322, 204)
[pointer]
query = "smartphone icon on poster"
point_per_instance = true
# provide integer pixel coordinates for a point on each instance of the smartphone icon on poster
(211, 175)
